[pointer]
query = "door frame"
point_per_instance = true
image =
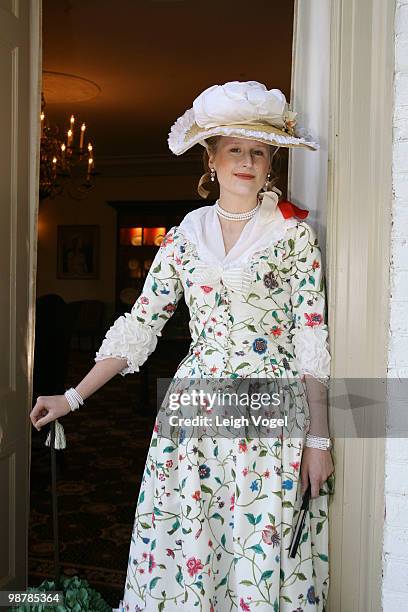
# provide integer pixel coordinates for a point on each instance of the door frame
(34, 169)
(345, 99)
(350, 195)
(35, 7)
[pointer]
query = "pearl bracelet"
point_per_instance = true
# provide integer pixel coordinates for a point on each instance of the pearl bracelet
(73, 398)
(318, 442)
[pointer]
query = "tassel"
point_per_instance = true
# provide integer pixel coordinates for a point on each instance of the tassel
(60, 441)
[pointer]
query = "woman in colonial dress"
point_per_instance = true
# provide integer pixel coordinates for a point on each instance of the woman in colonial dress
(216, 511)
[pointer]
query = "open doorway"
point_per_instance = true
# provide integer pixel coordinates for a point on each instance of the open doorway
(127, 75)
(357, 153)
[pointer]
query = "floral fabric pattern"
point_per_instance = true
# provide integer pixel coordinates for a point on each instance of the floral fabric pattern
(215, 515)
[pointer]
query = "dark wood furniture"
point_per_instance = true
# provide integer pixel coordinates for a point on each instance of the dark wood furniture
(141, 214)
(175, 340)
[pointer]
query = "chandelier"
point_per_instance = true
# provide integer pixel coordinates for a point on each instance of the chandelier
(66, 165)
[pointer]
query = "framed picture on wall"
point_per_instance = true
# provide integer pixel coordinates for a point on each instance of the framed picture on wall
(78, 252)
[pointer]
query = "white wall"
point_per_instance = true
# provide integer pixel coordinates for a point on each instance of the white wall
(310, 93)
(395, 548)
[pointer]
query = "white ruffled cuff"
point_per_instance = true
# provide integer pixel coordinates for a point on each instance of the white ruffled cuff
(311, 352)
(128, 339)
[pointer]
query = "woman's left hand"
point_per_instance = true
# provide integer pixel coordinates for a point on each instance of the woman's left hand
(316, 466)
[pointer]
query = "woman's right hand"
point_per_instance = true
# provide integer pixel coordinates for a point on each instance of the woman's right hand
(48, 408)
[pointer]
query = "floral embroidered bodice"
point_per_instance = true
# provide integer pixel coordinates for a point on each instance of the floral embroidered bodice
(261, 314)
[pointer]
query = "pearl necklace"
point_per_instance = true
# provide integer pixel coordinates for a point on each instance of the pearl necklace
(236, 216)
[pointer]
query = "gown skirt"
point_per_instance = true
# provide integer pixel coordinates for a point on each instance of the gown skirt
(214, 522)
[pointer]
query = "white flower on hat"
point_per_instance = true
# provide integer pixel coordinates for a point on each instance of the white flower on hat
(240, 102)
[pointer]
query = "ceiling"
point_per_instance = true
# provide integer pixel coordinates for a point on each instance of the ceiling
(146, 60)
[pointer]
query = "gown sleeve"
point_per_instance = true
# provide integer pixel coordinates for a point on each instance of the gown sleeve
(308, 297)
(133, 336)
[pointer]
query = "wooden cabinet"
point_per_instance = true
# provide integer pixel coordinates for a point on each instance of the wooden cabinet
(140, 227)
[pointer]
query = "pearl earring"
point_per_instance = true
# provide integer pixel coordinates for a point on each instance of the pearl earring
(212, 174)
(267, 181)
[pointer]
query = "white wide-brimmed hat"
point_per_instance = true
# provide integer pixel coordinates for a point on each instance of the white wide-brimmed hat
(241, 109)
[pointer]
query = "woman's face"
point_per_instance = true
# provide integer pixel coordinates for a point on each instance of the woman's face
(241, 165)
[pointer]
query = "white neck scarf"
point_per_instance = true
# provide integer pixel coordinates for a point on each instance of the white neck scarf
(267, 226)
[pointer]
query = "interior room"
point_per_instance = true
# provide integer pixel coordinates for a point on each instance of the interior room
(115, 78)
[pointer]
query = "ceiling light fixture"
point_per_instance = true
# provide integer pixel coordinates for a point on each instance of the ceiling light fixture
(66, 165)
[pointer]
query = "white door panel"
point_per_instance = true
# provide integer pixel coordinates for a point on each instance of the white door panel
(19, 111)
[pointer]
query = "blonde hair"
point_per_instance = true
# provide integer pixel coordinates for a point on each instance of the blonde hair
(206, 186)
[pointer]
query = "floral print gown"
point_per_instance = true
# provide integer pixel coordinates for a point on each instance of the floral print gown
(215, 515)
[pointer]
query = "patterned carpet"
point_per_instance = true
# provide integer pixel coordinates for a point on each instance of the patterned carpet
(98, 475)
